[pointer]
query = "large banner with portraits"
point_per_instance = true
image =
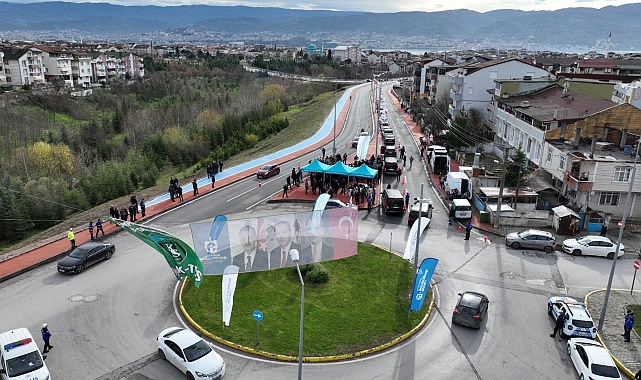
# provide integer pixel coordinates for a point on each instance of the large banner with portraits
(264, 243)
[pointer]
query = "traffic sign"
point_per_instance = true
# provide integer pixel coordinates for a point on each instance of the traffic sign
(620, 224)
(636, 264)
(258, 315)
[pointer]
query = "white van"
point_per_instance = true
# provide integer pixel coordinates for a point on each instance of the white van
(20, 357)
(462, 208)
(461, 182)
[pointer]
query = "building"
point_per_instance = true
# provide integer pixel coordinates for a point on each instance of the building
(344, 53)
(628, 93)
(472, 85)
(23, 66)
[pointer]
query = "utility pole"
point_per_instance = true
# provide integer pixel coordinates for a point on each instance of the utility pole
(498, 205)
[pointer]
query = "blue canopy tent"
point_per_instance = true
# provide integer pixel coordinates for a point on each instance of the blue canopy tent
(340, 168)
(364, 171)
(315, 167)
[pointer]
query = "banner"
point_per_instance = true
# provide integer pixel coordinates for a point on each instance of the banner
(178, 254)
(410, 246)
(422, 283)
(229, 287)
(212, 244)
(264, 243)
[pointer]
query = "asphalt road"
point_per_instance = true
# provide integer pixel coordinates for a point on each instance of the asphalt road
(104, 321)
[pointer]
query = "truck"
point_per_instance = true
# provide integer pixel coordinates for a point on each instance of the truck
(440, 161)
(461, 182)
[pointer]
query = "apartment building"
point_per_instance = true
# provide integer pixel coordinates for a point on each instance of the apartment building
(23, 66)
(591, 161)
(56, 62)
(628, 93)
(430, 78)
(472, 85)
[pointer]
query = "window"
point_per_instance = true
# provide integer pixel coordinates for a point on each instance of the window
(611, 199)
(562, 162)
(621, 174)
(549, 156)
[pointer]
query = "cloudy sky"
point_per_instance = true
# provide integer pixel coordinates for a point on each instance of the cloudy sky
(383, 6)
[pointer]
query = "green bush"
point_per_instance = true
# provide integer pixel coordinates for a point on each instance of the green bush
(315, 273)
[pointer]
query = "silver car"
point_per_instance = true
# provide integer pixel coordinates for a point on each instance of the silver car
(534, 239)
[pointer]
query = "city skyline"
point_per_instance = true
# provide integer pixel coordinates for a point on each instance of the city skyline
(376, 6)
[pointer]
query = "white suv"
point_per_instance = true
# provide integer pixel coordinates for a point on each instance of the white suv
(578, 321)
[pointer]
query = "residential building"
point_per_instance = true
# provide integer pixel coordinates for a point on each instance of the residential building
(3, 76)
(524, 110)
(81, 68)
(57, 64)
(603, 69)
(23, 66)
(472, 85)
(628, 93)
(591, 161)
(343, 53)
(430, 78)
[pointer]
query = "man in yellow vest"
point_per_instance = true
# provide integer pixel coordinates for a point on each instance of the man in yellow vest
(72, 238)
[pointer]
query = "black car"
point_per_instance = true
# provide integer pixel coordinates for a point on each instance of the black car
(85, 255)
(470, 309)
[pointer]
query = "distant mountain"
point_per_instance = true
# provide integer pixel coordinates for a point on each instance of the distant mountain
(570, 29)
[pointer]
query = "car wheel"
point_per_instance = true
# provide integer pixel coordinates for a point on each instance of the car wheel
(548, 249)
(610, 256)
(278, 172)
(80, 268)
(108, 255)
(569, 349)
(549, 309)
(582, 378)
(161, 354)
(190, 376)
(516, 245)
(576, 252)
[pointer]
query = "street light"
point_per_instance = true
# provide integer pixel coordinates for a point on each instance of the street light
(335, 105)
(421, 200)
(293, 253)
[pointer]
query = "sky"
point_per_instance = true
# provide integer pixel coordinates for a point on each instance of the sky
(378, 6)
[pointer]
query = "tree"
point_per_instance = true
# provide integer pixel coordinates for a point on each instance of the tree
(516, 168)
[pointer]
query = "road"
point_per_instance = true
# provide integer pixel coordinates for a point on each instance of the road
(104, 321)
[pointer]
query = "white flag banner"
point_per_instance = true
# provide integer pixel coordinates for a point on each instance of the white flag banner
(410, 247)
(230, 275)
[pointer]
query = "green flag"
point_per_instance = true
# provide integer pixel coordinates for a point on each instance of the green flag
(179, 255)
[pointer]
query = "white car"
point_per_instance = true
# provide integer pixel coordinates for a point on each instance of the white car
(578, 322)
(592, 246)
(591, 360)
(190, 354)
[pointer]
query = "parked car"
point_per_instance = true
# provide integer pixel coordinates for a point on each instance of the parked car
(355, 141)
(591, 360)
(592, 246)
(470, 309)
(424, 207)
(578, 321)
(390, 165)
(190, 354)
(335, 203)
(268, 170)
(86, 255)
(534, 239)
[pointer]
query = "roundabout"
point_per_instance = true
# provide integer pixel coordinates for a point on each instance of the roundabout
(363, 308)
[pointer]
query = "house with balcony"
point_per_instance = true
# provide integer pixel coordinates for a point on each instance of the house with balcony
(628, 93)
(602, 69)
(81, 68)
(472, 85)
(429, 74)
(3, 76)
(57, 64)
(524, 110)
(23, 66)
(343, 53)
(590, 162)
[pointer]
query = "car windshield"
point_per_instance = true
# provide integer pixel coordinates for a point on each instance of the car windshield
(524, 234)
(583, 240)
(197, 351)
(266, 167)
(24, 364)
(466, 310)
(79, 253)
(605, 371)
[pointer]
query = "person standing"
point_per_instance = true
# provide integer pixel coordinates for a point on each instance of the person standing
(72, 238)
(142, 208)
(629, 322)
(90, 228)
(604, 228)
(99, 226)
(194, 184)
(285, 187)
(452, 213)
(323, 151)
(560, 322)
(411, 161)
(213, 180)
(306, 185)
(46, 335)
(468, 228)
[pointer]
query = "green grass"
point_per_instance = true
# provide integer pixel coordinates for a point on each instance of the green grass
(637, 311)
(364, 304)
